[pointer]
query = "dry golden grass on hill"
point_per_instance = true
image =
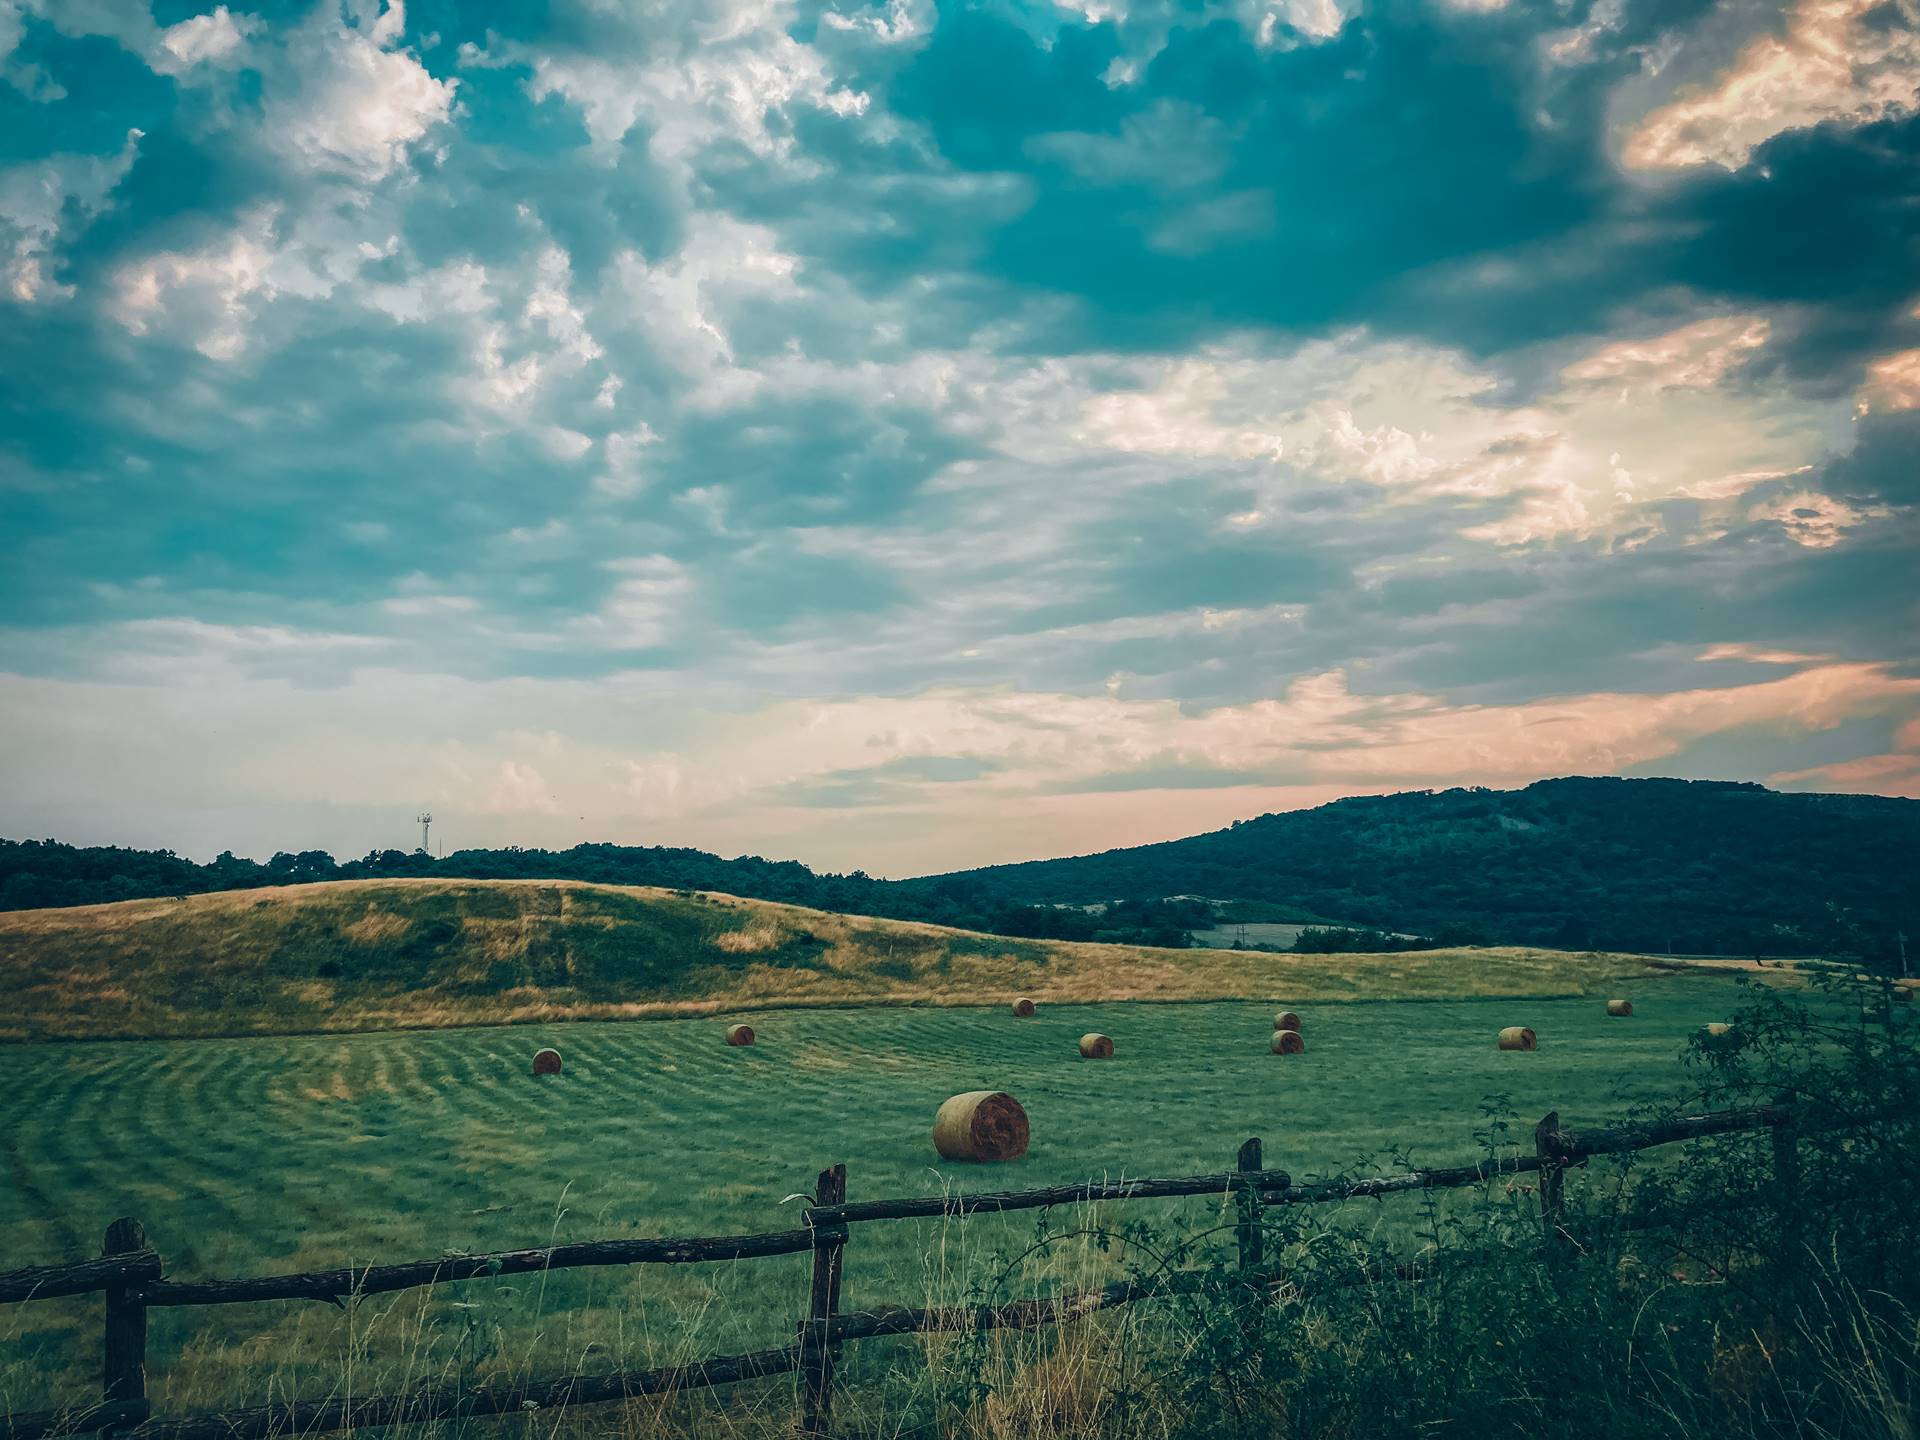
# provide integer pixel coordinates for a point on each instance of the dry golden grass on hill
(394, 954)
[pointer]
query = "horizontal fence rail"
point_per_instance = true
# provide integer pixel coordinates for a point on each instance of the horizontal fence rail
(379, 1279)
(47, 1282)
(132, 1278)
(933, 1206)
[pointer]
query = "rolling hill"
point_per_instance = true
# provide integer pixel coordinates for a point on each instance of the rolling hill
(1699, 867)
(1649, 865)
(397, 954)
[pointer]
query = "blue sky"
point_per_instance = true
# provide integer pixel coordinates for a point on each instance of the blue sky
(909, 437)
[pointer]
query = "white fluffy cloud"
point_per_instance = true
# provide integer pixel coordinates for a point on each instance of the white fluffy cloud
(211, 296)
(348, 101)
(216, 38)
(36, 200)
(694, 76)
(1632, 422)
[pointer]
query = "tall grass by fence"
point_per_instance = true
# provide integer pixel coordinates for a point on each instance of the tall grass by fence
(131, 1275)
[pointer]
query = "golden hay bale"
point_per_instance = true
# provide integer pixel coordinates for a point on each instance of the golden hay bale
(980, 1125)
(1095, 1046)
(1286, 1020)
(546, 1062)
(739, 1035)
(1023, 1007)
(1619, 1007)
(1517, 1037)
(1719, 1027)
(1288, 1042)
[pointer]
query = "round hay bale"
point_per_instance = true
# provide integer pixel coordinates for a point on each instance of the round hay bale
(983, 1125)
(546, 1062)
(739, 1035)
(1619, 1007)
(1095, 1046)
(1518, 1037)
(1719, 1028)
(1288, 1042)
(1023, 1007)
(1286, 1020)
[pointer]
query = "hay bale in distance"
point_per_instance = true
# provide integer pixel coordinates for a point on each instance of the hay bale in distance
(1719, 1028)
(1619, 1007)
(1288, 1042)
(546, 1062)
(1286, 1020)
(982, 1125)
(1518, 1037)
(1095, 1046)
(1023, 1007)
(739, 1035)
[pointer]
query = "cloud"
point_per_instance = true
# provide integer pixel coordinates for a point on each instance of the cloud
(215, 38)
(1850, 62)
(485, 758)
(1757, 655)
(1893, 382)
(1695, 357)
(209, 293)
(26, 77)
(347, 102)
(744, 413)
(695, 77)
(45, 201)
(1812, 519)
(1875, 774)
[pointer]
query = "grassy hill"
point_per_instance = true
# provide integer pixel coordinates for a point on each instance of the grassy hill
(398, 954)
(1698, 867)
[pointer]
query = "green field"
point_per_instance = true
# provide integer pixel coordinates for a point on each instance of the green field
(246, 1156)
(426, 954)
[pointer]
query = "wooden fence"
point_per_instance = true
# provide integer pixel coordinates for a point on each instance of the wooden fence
(132, 1276)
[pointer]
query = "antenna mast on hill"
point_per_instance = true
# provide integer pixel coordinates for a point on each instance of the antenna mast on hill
(426, 821)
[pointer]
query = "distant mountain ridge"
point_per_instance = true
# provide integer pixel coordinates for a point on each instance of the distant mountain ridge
(1712, 867)
(1698, 866)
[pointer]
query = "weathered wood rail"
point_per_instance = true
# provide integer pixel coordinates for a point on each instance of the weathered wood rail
(131, 1276)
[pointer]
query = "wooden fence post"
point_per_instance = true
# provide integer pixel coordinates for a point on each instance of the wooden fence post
(1252, 1241)
(817, 1345)
(123, 1378)
(1547, 1144)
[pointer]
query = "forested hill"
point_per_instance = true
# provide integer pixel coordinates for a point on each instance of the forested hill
(1692, 866)
(1698, 866)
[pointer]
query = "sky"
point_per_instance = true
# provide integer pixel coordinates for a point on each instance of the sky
(903, 437)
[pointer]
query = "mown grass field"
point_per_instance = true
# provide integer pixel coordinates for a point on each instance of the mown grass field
(399, 954)
(253, 1155)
